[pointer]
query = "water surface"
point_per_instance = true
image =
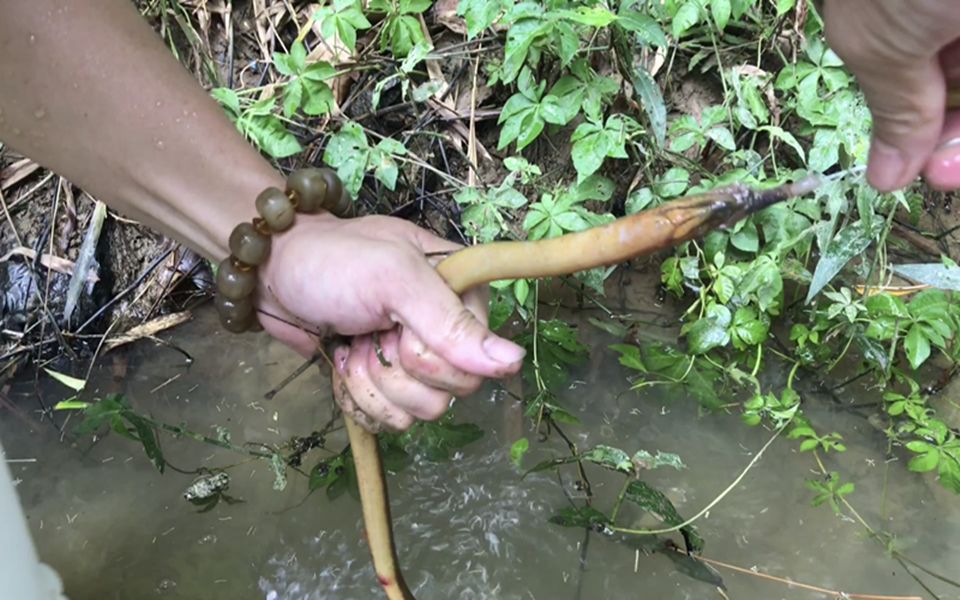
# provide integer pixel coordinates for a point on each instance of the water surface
(469, 528)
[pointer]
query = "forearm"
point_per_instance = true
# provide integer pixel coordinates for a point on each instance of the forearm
(88, 90)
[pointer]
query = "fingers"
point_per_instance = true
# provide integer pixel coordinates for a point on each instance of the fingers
(894, 55)
(379, 387)
(431, 369)
(907, 127)
(354, 367)
(942, 170)
(425, 305)
(401, 386)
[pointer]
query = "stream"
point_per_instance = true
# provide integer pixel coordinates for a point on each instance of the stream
(469, 528)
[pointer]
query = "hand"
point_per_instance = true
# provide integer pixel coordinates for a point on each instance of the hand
(372, 274)
(905, 56)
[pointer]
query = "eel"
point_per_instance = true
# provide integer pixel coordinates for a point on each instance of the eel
(628, 237)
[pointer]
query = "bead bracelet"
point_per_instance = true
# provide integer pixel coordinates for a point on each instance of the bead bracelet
(307, 191)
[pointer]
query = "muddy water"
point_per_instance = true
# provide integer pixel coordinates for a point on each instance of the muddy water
(469, 528)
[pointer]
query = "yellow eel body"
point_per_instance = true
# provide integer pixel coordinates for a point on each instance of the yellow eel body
(629, 237)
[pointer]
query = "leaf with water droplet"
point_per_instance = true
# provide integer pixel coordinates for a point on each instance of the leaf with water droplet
(851, 241)
(655, 502)
(935, 275)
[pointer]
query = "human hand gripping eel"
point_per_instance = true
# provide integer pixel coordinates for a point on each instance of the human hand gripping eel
(629, 237)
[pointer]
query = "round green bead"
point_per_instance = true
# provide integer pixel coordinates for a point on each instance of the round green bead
(233, 282)
(344, 206)
(309, 187)
(239, 324)
(249, 245)
(335, 193)
(276, 209)
(234, 309)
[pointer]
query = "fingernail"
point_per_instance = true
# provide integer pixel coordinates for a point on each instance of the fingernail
(943, 169)
(952, 146)
(503, 351)
(886, 167)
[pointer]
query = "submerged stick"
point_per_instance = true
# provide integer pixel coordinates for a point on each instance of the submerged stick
(629, 237)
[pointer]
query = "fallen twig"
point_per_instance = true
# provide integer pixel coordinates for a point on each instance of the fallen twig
(795, 584)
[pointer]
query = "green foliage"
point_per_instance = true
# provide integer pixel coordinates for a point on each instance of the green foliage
(343, 18)
(527, 112)
(595, 141)
(830, 491)
(306, 88)
(352, 156)
(114, 412)
(436, 440)
(257, 121)
(585, 76)
(557, 348)
(400, 31)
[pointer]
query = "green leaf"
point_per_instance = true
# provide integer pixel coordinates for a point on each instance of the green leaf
(349, 153)
(917, 346)
(147, 436)
(71, 382)
(672, 183)
(651, 98)
(591, 145)
(930, 306)
(686, 17)
(501, 307)
(826, 150)
(592, 16)
(763, 280)
(228, 99)
(935, 275)
(553, 111)
(386, 171)
(325, 472)
(851, 241)
(645, 27)
(787, 138)
(285, 64)
(747, 238)
(319, 72)
(927, 461)
(413, 7)
(785, 6)
(611, 458)
(639, 200)
(479, 14)
(721, 13)
(655, 502)
(644, 460)
(517, 451)
(520, 37)
(268, 132)
(437, 439)
(723, 138)
(292, 97)
(344, 19)
(595, 187)
(709, 332)
(883, 304)
(580, 516)
(749, 329)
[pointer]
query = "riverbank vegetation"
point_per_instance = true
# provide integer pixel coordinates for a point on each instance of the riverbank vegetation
(510, 119)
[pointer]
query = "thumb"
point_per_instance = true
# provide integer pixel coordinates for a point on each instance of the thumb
(908, 116)
(436, 315)
(894, 58)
